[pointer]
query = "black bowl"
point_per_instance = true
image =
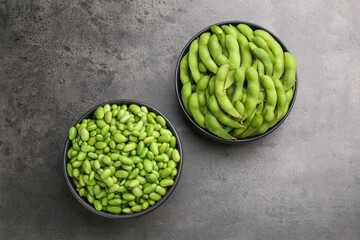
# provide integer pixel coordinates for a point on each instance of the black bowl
(178, 86)
(84, 201)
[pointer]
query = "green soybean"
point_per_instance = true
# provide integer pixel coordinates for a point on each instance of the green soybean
(72, 133)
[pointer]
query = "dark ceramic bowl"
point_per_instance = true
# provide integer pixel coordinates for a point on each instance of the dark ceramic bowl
(84, 201)
(178, 86)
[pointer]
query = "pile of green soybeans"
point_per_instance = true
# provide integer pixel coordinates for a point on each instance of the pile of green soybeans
(237, 83)
(124, 159)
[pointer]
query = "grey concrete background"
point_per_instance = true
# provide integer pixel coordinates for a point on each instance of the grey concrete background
(60, 58)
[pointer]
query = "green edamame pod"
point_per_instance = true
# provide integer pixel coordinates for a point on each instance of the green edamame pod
(254, 64)
(185, 95)
(238, 131)
(220, 93)
(276, 50)
(270, 98)
(200, 89)
(221, 36)
(212, 85)
(289, 95)
(254, 126)
(233, 48)
(253, 89)
(202, 67)
(184, 70)
(281, 98)
(230, 78)
(260, 42)
(260, 68)
(244, 97)
(239, 106)
(195, 110)
(214, 126)
(246, 56)
(261, 97)
(246, 30)
(252, 46)
(230, 91)
(262, 55)
(239, 77)
(216, 54)
(290, 71)
(193, 60)
(205, 54)
(220, 115)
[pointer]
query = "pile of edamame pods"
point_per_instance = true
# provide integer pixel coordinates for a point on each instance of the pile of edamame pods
(124, 159)
(237, 82)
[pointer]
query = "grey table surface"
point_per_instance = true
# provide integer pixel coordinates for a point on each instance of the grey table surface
(60, 58)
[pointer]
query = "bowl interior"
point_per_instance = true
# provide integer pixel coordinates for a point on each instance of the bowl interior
(83, 200)
(178, 86)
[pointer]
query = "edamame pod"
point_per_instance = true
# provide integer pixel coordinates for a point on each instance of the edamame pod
(260, 42)
(290, 71)
(233, 48)
(202, 67)
(239, 80)
(276, 50)
(246, 56)
(214, 126)
(254, 126)
(253, 89)
(262, 55)
(205, 54)
(289, 95)
(270, 98)
(281, 98)
(216, 54)
(185, 95)
(200, 89)
(246, 30)
(193, 60)
(230, 78)
(260, 68)
(220, 93)
(184, 70)
(195, 110)
(221, 36)
(220, 115)
(238, 131)
(212, 85)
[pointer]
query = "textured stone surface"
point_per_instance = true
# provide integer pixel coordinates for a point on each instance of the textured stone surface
(60, 58)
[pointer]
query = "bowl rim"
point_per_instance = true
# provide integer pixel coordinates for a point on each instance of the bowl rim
(84, 201)
(178, 87)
